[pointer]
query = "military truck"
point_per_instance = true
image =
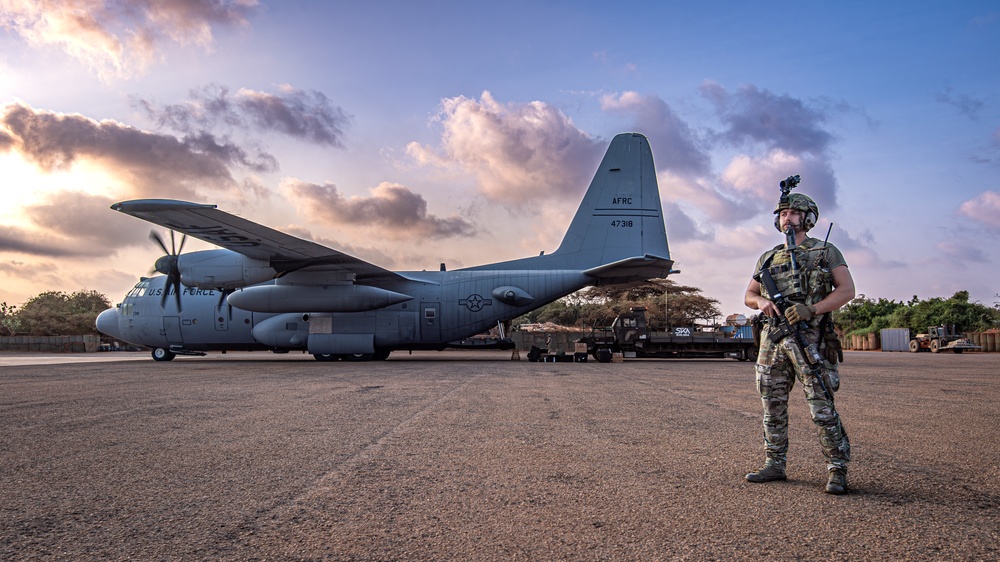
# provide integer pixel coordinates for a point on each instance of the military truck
(630, 335)
(941, 338)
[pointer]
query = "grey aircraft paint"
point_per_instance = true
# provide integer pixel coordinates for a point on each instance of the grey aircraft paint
(268, 290)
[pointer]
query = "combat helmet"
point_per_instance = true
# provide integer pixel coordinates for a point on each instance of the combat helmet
(799, 202)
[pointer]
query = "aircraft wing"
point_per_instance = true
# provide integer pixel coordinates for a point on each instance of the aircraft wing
(285, 253)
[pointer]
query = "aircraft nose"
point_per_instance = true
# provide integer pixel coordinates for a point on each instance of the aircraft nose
(107, 323)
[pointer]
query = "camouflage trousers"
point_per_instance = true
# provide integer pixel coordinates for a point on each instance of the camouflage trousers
(778, 365)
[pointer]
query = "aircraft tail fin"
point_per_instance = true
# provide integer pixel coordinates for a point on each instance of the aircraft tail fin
(618, 234)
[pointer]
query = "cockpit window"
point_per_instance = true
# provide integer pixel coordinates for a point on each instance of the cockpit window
(139, 289)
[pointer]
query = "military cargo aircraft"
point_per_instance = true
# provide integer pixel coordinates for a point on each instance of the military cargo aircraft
(267, 290)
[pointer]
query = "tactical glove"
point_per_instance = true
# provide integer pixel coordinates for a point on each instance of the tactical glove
(800, 313)
(833, 351)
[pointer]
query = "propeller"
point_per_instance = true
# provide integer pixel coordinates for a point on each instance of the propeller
(167, 265)
(223, 293)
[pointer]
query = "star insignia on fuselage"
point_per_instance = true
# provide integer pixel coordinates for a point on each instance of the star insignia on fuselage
(475, 302)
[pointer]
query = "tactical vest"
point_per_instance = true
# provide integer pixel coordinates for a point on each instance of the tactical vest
(814, 280)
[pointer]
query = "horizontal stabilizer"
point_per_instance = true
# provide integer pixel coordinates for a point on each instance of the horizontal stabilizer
(629, 270)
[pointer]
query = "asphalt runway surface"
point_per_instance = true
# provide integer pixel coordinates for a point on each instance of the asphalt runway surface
(471, 456)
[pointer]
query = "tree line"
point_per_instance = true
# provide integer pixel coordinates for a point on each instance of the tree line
(667, 303)
(865, 315)
(54, 313)
(670, 304)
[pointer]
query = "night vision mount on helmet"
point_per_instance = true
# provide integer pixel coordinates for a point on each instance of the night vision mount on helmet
(797, 201)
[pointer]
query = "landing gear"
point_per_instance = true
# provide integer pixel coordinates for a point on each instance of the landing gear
(379, 355)
(163, 354)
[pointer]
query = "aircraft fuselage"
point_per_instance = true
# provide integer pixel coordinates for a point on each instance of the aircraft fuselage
(446, 307)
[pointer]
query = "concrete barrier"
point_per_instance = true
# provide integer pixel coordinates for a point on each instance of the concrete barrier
(988, 342)
(51, 344)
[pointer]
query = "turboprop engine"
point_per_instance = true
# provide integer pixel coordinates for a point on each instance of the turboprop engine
(222, 269)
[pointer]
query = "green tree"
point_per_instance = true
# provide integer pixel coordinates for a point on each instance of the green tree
(863, 315)
(598, 306)
(55, 313)
(957, 310)
(559, 312)
(9, 324)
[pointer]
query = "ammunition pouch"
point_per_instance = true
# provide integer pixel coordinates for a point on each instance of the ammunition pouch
(780, 329)
(833, 350)
(757, 327)
(831, 378)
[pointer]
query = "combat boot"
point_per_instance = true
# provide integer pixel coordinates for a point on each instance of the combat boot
(769, 473)
(837, 482)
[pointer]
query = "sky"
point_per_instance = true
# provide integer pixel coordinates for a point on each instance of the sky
(415, 133)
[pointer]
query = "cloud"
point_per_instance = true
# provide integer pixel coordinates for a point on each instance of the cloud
(92, 225)
(307, 116)
(518, 152)
(860, 249)
(961, 254)
(965, 104)
(699, 194)
(984, 209)
(683, 162)
(152, 165)
(72, 224)
(23, 241)
(681, 227)
(751, 115)
(392, 208)
(754, 181)
(746, 186)
(116, 39)
(368, 254)
(678, 148)
(780, 136)
(32, 277)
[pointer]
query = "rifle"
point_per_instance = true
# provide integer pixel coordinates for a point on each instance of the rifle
(784, 328)
(809, 350)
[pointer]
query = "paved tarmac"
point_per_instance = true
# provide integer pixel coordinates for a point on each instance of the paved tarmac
(470, 456)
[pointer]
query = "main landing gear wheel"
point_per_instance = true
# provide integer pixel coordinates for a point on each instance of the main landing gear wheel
(163, 354)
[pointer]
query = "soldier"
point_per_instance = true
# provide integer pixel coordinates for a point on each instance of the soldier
(823, 284)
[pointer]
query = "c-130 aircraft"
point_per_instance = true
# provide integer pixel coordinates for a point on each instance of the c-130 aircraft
(267, 290)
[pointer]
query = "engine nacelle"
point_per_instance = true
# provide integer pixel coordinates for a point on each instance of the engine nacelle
(222, 269)
(314, 298)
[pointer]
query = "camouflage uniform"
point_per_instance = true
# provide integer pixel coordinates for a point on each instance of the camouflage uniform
(779, 364)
